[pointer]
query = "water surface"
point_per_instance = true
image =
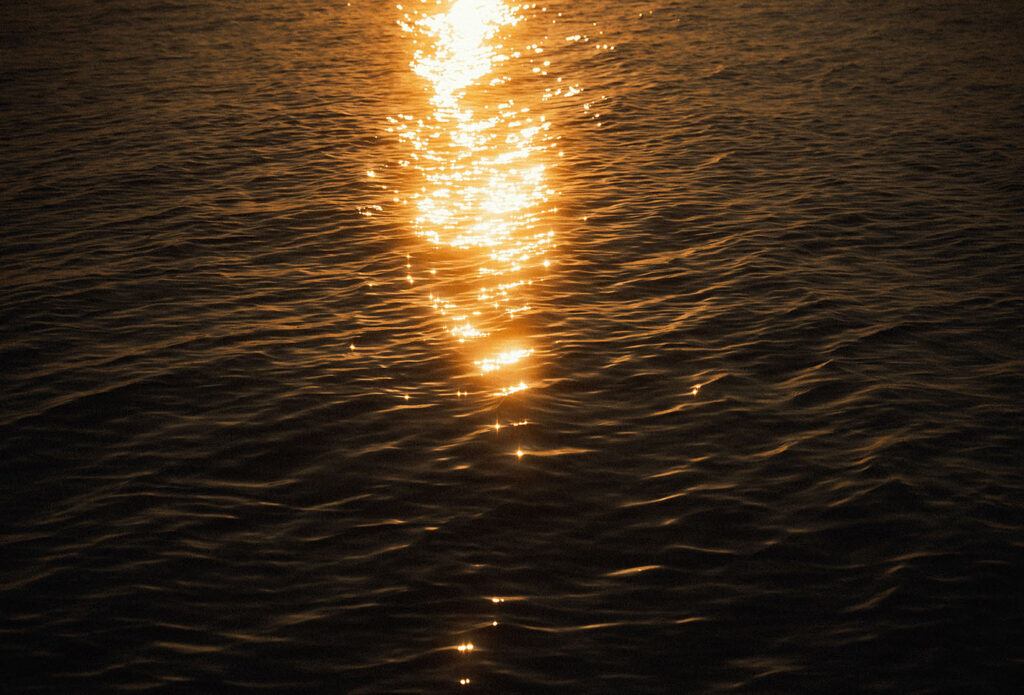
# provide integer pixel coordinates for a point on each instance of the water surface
(328, 368)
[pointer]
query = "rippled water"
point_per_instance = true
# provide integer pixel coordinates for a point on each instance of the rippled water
(739, 410)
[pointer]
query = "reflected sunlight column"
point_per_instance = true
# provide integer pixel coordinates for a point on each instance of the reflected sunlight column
(480, 157)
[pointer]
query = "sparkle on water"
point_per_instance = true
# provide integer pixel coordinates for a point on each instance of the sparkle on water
(480, 163)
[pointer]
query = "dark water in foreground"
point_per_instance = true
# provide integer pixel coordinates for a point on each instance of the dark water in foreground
(771, 440)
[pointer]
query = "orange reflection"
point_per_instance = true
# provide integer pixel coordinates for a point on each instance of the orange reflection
(479, 195)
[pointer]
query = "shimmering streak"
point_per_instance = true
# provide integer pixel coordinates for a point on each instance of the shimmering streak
(502, 359)
(480, 155)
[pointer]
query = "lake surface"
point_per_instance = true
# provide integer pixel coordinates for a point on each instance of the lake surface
(597, 347)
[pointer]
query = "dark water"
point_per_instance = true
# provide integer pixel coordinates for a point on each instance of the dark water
(771, 440)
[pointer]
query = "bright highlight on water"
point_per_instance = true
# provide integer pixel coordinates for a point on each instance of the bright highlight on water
(294, 404)
(480, 195)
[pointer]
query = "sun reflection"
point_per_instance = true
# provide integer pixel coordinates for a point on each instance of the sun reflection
(476, 182)
(509, 390)
(501, 360)
(480, 155)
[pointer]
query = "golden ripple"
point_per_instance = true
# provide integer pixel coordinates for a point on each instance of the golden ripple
(478, 190)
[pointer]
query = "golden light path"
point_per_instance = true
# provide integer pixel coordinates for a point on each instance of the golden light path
(478, 193)
(476, 181)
